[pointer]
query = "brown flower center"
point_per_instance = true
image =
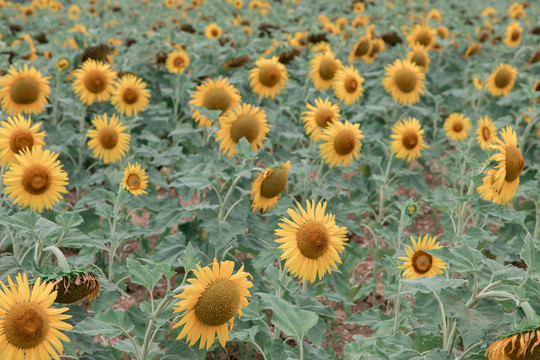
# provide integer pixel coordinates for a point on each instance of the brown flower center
(503, 78)
(424, 38)
(178, 62)
(108, 138)
(351, 84)
(20, 140)
(218, 304)
(26, 325)
(328, 68)
(312, 239)
(514, 163)
(130, 96)
(245, 126)
(95, 81)
(457, 126)
(24, 91)
(274, 184)
(363, 47)
(323, 117)
(405, 80)
(269, 75)
(421, 262)
(214, 33)
(217, 99)
(486, 134)
(515, 35)
(36, 180)
(133, 181)
(420, 59)
(345, 142)
(409, 139)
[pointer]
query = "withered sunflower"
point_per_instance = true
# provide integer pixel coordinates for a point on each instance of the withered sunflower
(419, 56)
(267, 188)
(109, 140)
(214, 95)
(423, 35)
(486, 132)
(74, 285)
(268, 77)
(213, 31)
(16, 134)
(501, 81)
(361, 49)
(419, 263)
(408, 139)
(404, 81)
(520, 345)
(510, 164)
(94, 81)
(319, 117)
(348, 85)
(323, 68)
(177, 61)
(130, 95)
(457, 126)
(135, 179)
(512, 37)
(24, 91)
(341, 143)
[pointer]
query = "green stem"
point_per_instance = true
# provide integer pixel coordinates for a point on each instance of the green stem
(114, 243)
(227, 197)
(80, 163)
(382, 189)
(443, 315)
(259, 349)
(396, 307)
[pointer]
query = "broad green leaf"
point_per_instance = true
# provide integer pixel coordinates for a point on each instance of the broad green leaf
(143, 275)
(282, 351)
(244, 334)
(530, 253)
(109, 324)
(244, 150)
(68, 220)
(189, 259)
(179, 350)
(462, 258)
(427, 285)
(23, 220)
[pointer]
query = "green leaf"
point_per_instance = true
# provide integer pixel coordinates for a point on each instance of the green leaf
(189, 259)
(244, 150)
(432, 284)
(68, 220)
(530, 253)
(244, 334)
(109, 324)
(282, 351)
(462, 258)
(210, 114)
(179, 350)
(142, 274)
(23, 220)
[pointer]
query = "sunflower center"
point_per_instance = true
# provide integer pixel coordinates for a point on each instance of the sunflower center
(178, 62)
(214, 32)
(269, 75)
(36, 180)
(419, 58)
(312, 239)
(274, 184)
(362, 48)
(344, 142)
(486, 134)
(515, 35)
(409, 140)
(245, 126)
(405, 80)
(503, 78)
(424, 38)
(95, 82)
(26, 325)
(457, 126)
(323, 117)
(351, 84)
(328, 68)
(24, 91)
(421, 262)
(514, 163)
(108, 138)
(133, 181)
(218, 303)
(20, 140)
(217, 99)
(130, 96)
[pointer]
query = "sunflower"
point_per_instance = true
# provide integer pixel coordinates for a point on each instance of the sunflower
(16, 134)
(512, 37)
(361, 49)
(130, 95)
(319, 117)
(341, 143)
(63, 64)
(29, 328)
(419, 263)
(243, 121)
(486, 132)
(311, 241)
(472, 49)
(214, 95)
(419, 57)
(501, 81)
(177, 61)
(74, 285)
(377, 47)
(404, 81)
(348, 85)
(266, 189)
(208, 306)
(36, 180)
(487, 190)
(407, 139)
(94, 81)
(456, 126)
(108, 140)
(213, 31)
(268, 78)
(323, 69)
(423, 35)
(477, 83)
(25, 90)
(517, 345)
(135, 179)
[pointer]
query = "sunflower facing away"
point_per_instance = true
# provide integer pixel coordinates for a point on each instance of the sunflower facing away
(268, 77)
(361, 49)
(501, 81)
(419, 56)
(109, 140)
(311, 241)
(419, 263)
(25, 90)
(319, 117)
(208, 306)
(29, 328)
(404, 81)
(423, 35)
(341, 143)
(213, 31)
(135, 179)
(267, 188)
(512, 37)
(74, 285)
(523, 345)
(130, 95)
(214, 95)
(323, 70)
(177, 61)
(36, 180)
(348, 85)
(16, 134)
(407, 139)
(486, 132)
(457, 126)
(487, 190)
(94, 82)
(243, 121)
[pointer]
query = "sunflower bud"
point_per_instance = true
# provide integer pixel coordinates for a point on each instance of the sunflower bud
(411, 208)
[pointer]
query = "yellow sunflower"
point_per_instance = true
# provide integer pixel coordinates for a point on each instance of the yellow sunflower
(16, 134)
(177, 61)
(404, 81)
(311, 241)
(521, 345)
(423, 35)
(377, 47)
(319, 117)
(243, 121)
(419, 57)
(109, 140)
(408, 139)
(130, 95)
(419, 263)
(487, 190)
(457, 126)
(208, 306)
(63, 64)
(24, 91)
(214, 95)
(341, 143)
(323, 69)
(501, 81)
(267, 188)
(443, 32)
(361, 49)
(268, 78)
(36, 180)
(473, 48)
(135, 179)
(477, 83)
(213, 31)
(510, 164)
(94, 81)
(29, 328)
(348, 85)
(486, 132)
(512, 37)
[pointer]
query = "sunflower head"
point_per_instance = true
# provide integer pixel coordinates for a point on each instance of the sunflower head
(268, 77)
(108, 140)
(135, 179)
(62, 64)
(472, 49)
(74, 285)
(422, 35)
(16, 134)
(94, 82)
(404, 81)
(407, 139)
(319, 117)
(24, 91)
(177, 61)
(213, 31)
(419, 263)
(419, 57)
(512, 36)
(323, 69)
(341, 143)
(486, 132)
(130, 95)
(457, 126)
(214, 95)
(523, 344)
(361, 49)
(348, 85)
(267, 188)
(501, 81)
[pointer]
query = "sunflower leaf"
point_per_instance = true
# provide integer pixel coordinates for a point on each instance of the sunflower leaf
(463, 258)
(143, 275)
(530, 253)
(189, 259)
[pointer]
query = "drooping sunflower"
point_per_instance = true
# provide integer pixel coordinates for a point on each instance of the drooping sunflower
(522, 345)
(457, 126)
(208, 306)
(404, 81)
(29, 328)
(243, 121)
(311, 241)
(130, 95)
(443, 32)
(423, 35)
(16, 134)
(486, 132)
(512, 37)
(510, 164)
(267, 188)
(24, 91)
(268, 77)
(74, 285)
(341, 143)
(214, 95)
(213, 31)
(324, 67)
(135, 179)
(408, 139)
(109, 140)
(319, 117)
(501, 81)
(361, 49)
(419, 263)
(487, 190)
(94, 81)
(377, 47)
(348, 85)
(177, 61)
(36, 179)
(419, 56)
(472, 49)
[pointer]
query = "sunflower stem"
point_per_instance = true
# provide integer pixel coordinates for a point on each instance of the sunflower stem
(82, 124)
(526, 132)
(469, 349)
(55, 112)
(443, 316)
(396, 307)
(114, 243)
(259, 349)
(227, 197)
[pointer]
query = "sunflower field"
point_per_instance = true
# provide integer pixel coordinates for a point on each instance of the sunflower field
(269, 179)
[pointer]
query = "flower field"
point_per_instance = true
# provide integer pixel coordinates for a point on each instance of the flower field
(260, 179)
